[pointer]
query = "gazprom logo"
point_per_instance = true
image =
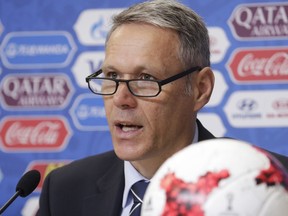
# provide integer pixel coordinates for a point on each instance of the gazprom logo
(93, 25)
(88, 113)
(97, 32)
(37, 49)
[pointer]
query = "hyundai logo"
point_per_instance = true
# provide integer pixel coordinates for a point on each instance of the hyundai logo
(247, 105)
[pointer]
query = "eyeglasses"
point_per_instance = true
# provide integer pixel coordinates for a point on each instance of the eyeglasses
(137, 87)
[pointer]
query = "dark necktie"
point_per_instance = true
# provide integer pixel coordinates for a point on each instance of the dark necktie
(137, 191)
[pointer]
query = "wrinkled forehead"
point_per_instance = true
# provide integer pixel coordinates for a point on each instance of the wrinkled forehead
(143, 43)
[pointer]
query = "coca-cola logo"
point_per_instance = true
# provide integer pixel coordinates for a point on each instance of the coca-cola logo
(259, 65)
(34, 134)
(45, 167)
(263, 20)
(36, 91)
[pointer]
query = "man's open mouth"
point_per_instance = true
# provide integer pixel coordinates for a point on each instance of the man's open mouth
(128, 127)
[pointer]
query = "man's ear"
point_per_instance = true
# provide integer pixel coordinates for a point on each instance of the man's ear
(204, 85)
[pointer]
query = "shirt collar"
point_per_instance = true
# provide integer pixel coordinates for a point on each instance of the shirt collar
(132, 175)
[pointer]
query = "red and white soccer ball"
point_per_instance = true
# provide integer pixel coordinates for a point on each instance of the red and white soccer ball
(220, 177)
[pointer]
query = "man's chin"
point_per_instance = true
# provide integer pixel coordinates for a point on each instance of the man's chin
(127, 156)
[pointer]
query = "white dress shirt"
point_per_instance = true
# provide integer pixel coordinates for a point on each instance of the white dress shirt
(132, 176)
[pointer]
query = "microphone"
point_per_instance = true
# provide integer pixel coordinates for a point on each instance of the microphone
(26, 185)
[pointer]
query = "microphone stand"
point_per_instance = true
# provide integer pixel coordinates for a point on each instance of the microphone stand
(8, 203)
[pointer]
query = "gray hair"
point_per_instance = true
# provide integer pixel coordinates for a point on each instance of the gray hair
(192, 32)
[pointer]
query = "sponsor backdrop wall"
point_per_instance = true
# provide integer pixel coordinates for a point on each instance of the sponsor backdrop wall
(48, 117)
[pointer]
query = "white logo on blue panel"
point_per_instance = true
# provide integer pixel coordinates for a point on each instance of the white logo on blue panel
(257, 108)
(86, 64)
(97, 30)
(88, 113)
(37, 49)
(93, 25)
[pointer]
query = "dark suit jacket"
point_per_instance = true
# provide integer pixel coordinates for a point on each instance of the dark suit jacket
(92, 186)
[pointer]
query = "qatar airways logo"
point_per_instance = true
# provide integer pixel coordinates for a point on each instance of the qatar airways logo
(261, 20)
(259, 65)
(34, 134)
(36, 91)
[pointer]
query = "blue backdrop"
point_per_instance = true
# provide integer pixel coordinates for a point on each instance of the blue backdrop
(48, 117)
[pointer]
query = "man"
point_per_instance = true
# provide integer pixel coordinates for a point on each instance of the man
(154, 80)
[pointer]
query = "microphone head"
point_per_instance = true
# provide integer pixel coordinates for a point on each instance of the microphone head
(28, 183)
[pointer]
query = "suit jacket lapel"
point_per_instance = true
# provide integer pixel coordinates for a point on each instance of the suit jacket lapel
(107, 200)
(203, 133)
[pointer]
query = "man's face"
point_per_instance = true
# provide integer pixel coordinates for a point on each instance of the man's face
(147, 128)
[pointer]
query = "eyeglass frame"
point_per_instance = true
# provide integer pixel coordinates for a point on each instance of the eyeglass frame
(159, 82)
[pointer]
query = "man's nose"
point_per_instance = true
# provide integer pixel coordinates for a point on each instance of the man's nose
(123, 98)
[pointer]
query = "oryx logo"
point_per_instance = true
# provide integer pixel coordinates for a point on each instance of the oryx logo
(247, 105)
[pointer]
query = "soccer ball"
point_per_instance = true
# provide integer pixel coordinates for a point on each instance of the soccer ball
(219, 177)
